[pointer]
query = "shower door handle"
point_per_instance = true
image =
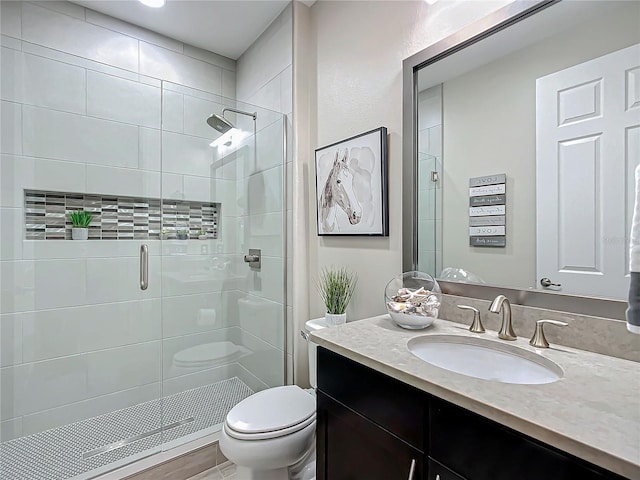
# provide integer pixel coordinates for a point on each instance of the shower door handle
(144, 267)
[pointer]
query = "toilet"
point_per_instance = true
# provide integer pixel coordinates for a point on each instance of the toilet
(271, 434)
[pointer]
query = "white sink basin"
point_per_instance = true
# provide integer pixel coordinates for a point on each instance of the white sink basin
(485, 359)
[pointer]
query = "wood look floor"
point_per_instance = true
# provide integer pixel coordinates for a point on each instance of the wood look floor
(226, 471)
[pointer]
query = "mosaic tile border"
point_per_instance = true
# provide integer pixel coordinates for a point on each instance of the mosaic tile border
(46, 216)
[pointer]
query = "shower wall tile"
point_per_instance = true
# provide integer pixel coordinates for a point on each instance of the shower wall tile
(80, 249)
(267, 231)
(286, 90)
(10, 429)
(197, 188)
(11, 134)
(65, 136)
(229, 83)
(172, 186)
(186, 155)
(253, 382)
(196, 111)
(149, 149)
(51, 29)
(272, 280)
(10, 19)
(64, 7)
(265, 361)
(11, 233)
(263, 319)
(221, 340)
(210, 57)
(123, 181)
(166, 64)
(188, 314)
(10, 340)
(118, 280)
(122, 368)
(111, 23)
(171, 386)
(269, 146)
(22, 76)
(64, 380)
(114, 98)
(265, 192)
(172, 111)
(95, 327)
(193, 275)
(92, 407)
(225, 193)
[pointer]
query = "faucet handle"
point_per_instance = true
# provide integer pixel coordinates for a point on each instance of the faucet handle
(476, 325)
(539, 340)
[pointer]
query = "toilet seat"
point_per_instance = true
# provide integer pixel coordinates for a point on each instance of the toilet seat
(271, 413)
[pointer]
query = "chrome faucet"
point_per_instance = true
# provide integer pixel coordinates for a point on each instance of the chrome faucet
(506, 330)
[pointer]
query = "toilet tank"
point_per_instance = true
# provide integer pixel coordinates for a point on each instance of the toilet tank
(312, 326)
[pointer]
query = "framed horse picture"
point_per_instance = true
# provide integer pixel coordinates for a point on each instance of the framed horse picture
(351, 186)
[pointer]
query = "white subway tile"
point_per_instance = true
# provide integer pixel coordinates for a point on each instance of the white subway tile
(269, 95)
(210, 57)
(51, 29)
(265, 361)
(117, 369)
(65, 136)
(10, 19)
(229, 228)
(172, 186)
(197, 189)
(48, 250)
(11, 233)
(186, 155)
(212, 342)
(78, 61)
(90, 408)
(123, 181)
(168, 65)
(270, 146)
(262, 319)
(11, 429)
(196, 112)
(66, 8)
(181, 383)
(435, 141)
(149, 149)
(266, 231)
(135, 31)
(118, 280)
(249, 379)
(11, 126)
(271, 280)
(10, 42)
(64, 380)
(265, 191)
(59, 332)
(286, 91)
(114, 98)
(228, 84)
(183, 315)
(172, 111)
(186, 275)
(19, 173)
(10, 340)
(224, 192)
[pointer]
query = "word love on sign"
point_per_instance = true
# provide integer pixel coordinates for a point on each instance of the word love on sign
(487, 211)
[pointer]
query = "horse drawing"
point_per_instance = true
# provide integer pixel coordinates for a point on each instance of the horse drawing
(338, 192)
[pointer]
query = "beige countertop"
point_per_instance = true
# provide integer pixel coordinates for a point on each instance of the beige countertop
(592, 412)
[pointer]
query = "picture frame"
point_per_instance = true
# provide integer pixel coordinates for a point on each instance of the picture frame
(351, 186)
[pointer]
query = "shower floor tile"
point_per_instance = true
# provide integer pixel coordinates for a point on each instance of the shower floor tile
(78, 448)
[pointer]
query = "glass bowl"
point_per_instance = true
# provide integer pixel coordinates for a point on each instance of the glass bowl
(413, 299)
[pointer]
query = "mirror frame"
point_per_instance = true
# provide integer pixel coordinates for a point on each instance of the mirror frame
(487, 26)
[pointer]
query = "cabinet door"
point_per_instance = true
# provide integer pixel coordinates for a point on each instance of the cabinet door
(350, 447)
(440, 472)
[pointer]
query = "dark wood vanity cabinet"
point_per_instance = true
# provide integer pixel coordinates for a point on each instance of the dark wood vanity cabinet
(371, 426)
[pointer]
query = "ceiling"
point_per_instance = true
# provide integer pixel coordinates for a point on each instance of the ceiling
(226, 27)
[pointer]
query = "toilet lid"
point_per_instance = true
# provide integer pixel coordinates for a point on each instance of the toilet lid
(205, 354)
(272, 409)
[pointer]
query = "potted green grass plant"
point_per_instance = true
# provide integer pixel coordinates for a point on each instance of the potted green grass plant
(336, 286)
(80, 221)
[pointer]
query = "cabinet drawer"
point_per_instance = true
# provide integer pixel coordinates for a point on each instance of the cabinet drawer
(393, 405)
(440, 472)
(351, 447)
(479, 449)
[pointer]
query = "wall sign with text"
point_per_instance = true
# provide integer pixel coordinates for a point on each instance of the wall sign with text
(488, 211)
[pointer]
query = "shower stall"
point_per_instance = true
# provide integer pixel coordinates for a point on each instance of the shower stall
(142, 337)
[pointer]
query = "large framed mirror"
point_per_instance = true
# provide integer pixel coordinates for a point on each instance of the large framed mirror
(541, 102)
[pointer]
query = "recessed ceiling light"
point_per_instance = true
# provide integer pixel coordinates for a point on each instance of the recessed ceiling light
(153, 3)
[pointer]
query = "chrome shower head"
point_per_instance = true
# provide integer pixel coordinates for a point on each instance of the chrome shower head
(219, 123)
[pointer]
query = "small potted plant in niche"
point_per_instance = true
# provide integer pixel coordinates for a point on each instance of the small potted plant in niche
(202, 234)
(336, 286)
(80, 221)
(183, 233)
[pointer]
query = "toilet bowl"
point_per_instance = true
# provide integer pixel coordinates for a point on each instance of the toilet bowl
(271, 434)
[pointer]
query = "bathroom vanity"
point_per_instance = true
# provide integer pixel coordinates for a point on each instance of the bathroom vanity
(384, 413)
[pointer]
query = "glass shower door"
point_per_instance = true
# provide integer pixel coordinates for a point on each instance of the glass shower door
(222, 318)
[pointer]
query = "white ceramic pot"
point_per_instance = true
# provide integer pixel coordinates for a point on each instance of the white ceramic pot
(79, 233)
(334, 319)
